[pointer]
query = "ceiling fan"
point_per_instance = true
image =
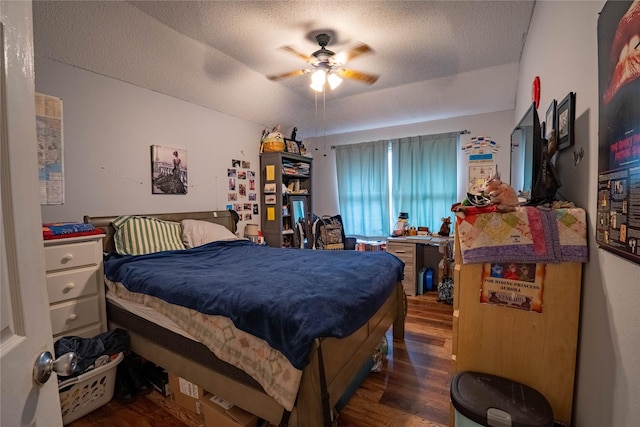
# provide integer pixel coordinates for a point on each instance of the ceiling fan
(327, 66)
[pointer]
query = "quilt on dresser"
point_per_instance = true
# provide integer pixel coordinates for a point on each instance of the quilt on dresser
(529, 234)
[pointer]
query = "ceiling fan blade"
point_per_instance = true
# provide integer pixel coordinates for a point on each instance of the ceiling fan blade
(356, 51)
(296, 52)
(357, 75)
(289, 74)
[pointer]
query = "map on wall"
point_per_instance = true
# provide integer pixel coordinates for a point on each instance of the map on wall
(50, 149)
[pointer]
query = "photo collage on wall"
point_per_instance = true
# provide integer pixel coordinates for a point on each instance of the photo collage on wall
(242, 190)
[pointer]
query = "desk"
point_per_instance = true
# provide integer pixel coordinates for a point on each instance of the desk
(416, 252)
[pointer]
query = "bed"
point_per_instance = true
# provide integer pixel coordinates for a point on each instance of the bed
(323, 367)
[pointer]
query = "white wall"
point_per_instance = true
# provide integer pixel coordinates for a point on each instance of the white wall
(561, 48)
(109, 127)
(497, 125)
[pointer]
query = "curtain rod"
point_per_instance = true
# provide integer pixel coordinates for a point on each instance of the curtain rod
(462, 132)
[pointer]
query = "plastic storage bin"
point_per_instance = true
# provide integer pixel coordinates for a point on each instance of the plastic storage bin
(89, 391)
(489, 400)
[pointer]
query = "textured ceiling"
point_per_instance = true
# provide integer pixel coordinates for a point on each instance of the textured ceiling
(217, 54)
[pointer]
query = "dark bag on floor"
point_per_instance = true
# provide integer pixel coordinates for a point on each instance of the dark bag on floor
(445, 290)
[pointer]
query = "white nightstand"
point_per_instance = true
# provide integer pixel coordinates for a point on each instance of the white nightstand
(75, 286)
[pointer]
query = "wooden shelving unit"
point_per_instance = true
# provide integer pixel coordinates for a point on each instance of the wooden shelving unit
(286, 196)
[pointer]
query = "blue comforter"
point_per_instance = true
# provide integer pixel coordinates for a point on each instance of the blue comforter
(286, 297)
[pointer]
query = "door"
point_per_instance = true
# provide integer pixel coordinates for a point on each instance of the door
(25, 328)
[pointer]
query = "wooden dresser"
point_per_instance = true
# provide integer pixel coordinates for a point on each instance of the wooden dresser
(536, 349)
(75, 286)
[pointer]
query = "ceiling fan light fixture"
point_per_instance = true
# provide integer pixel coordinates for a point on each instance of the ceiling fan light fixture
(317, 80)
(334, 80)
(326, 66)
(317, 87)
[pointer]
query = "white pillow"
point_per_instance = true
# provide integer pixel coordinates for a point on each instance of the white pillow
(197, 233)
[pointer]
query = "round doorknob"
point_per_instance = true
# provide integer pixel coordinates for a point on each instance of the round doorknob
(64, 365)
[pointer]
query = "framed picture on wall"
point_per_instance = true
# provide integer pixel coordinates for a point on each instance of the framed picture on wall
(270, 187)
(292, 146)
(168, 170)
(566, 118)
(550, 120)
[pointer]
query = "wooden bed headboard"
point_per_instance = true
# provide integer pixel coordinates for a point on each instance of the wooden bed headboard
(225, 218)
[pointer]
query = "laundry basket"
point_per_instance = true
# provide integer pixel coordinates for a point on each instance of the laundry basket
(89, 391)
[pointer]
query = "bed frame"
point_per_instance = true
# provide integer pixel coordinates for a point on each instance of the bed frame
(334, 365)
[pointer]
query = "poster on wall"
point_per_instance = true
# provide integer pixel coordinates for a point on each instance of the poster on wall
(478, 175)
(618, 207)
(50, 149)
(481, 150)
(168, 170)
(514, 284)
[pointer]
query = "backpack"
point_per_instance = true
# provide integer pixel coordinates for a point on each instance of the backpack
(328, 233)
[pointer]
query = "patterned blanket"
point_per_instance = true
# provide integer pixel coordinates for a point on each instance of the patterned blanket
(530, 234)
(279, 378)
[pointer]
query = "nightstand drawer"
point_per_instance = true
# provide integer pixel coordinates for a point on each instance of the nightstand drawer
(58, 257)
(68, 284)
(74, 314)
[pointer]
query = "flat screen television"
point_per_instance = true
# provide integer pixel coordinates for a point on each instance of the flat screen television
(532, 174)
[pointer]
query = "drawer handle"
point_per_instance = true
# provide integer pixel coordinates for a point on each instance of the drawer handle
(72, 317)
(65, 259)
(68, 287)
(401, 252)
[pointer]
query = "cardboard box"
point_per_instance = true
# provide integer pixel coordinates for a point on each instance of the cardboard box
(219, 413)
(185, 393)
(188, 418)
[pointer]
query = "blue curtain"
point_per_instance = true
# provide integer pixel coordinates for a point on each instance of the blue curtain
(424, 174)
(363, 188)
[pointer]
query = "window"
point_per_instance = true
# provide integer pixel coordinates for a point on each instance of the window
(377, 180)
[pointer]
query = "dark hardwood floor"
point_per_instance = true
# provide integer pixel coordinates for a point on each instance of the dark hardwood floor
(412, 390)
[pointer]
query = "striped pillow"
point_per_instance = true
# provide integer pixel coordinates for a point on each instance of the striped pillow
(139, 235)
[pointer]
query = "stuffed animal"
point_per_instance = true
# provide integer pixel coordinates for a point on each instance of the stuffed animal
(501, 194)
(445, 228)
